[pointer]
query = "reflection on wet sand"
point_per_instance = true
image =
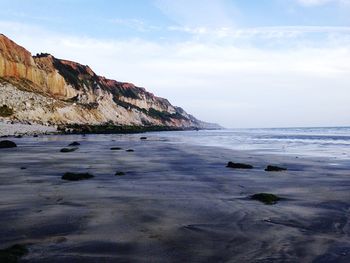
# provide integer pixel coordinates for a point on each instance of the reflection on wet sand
(174, 203)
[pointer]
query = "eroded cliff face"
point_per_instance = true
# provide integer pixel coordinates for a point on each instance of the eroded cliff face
(66, 92)
(17, 63)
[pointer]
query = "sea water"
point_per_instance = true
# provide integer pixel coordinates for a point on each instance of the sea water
(333, 142)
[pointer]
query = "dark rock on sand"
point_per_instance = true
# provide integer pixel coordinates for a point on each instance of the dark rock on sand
(130, 150)
(7, 144)
(116, 148)
(12, 254)
(119, 173)
(143, 138)
(35, 135)
(272, 168)
(239, 165)
(74, 144)
(76, 176)
(67, 150)
(268, 199)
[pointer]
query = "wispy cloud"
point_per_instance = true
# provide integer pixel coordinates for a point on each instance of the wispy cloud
(135, 24)
(24, 15)
(322, 2)
(196, 13)
(264, 32)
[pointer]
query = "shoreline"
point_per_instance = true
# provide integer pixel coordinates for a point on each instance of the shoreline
(118, 129)
(170, 203)
(8, 129)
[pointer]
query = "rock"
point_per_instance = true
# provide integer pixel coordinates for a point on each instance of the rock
(268, 199)
(5, 111)
(143, 138)
(60, 239)
(67, 150)
(18, 136)
(130, 150)
(74, 144)
(272, 168)
(119, 173)
(239, 165)
(35, 135)
(23, 168)
(115, 148)
(13, 254)
(76, 176)
(7, 144)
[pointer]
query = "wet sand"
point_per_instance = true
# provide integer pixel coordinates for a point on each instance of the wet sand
(175, 203)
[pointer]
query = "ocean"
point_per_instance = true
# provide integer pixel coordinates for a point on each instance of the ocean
(331, 142)
(328, 142)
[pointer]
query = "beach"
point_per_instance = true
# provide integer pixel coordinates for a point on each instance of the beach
(173, 202)
(9, 129)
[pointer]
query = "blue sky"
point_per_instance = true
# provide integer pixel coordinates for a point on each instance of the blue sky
(262, 63)
(152, 19)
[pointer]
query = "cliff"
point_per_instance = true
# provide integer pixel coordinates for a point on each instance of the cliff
(45, 90)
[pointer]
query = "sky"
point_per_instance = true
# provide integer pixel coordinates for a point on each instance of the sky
(257, 63)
